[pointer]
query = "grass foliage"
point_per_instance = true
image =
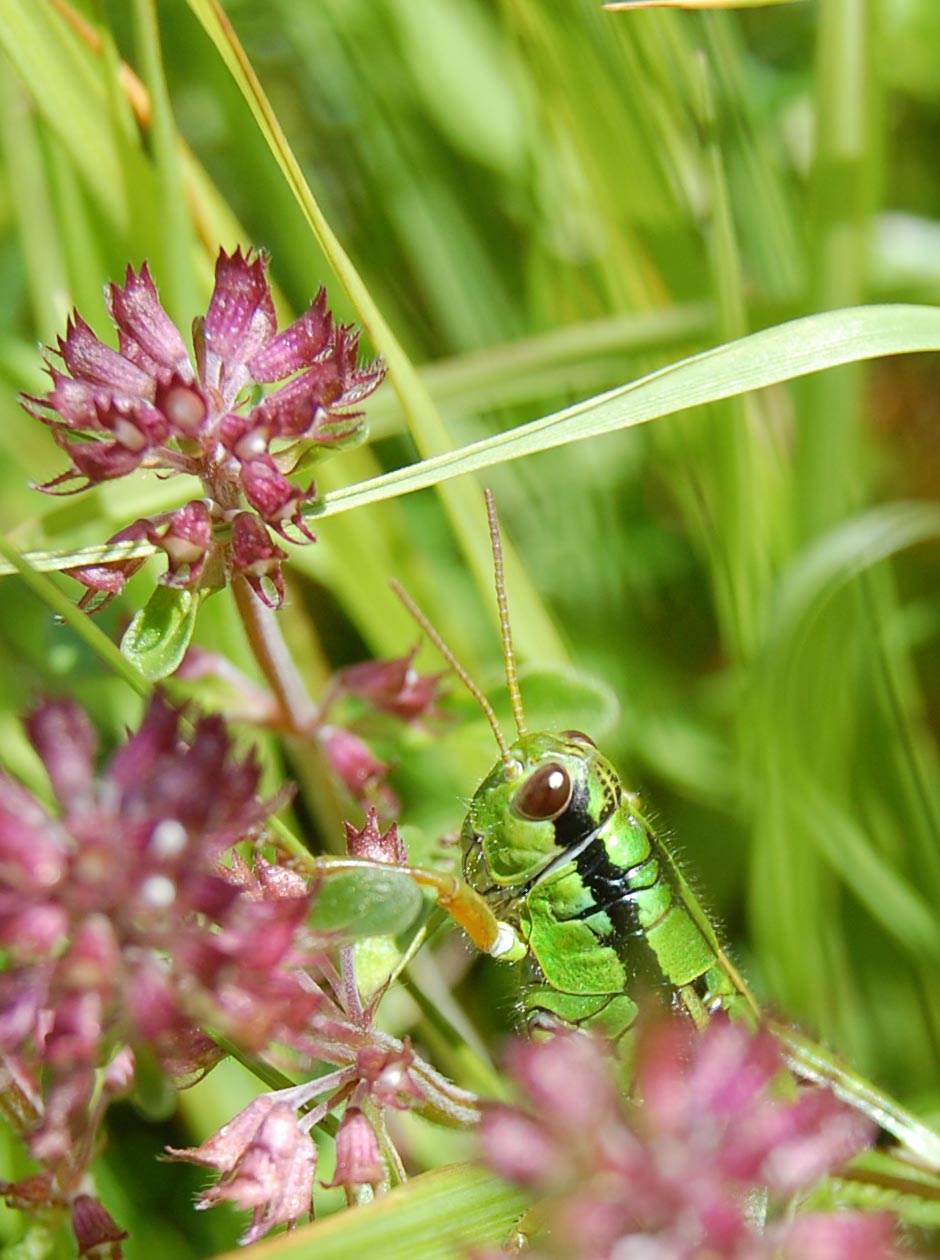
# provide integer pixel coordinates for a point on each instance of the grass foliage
(529, 206)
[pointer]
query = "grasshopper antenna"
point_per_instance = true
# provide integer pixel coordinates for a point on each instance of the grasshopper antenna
(505, 630)
(455, 665)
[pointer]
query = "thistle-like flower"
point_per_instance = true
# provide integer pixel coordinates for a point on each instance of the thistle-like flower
(149, 405)
(711, 1164)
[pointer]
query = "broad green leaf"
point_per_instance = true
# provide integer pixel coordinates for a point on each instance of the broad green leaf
(373, 901)
(157, 638)
(441, 1215)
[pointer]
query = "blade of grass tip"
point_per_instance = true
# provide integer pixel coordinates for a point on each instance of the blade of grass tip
(82, 625)
(769, 357)
(535, 630)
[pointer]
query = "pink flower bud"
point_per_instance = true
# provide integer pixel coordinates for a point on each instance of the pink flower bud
(97, 1234)
(358, 1155)
(352, 759)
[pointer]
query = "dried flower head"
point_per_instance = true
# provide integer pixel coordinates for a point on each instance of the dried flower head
(711, 1165)
(149, 405)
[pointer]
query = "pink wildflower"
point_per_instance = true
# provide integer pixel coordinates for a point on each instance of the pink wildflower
(393, 686)
(267, 1164)
(120, 927)
(678, 1175)
(358, 1157)
(149, 405)
(356, 765)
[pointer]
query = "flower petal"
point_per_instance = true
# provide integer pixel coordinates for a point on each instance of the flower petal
(89, 359)
(148, 337)
(297, 346)
(239, 322)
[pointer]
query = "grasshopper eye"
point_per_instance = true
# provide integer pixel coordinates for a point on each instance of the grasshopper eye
(579, 737)
(546, 795)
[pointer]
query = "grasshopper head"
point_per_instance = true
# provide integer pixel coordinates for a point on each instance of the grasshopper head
(548, 796)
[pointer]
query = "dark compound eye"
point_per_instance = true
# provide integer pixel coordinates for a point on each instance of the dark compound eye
(579, 737)
(546, 795)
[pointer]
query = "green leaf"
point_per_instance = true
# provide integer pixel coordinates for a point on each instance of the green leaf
(371, 901)
(157, 638)
(770, 357)
(440, 1215)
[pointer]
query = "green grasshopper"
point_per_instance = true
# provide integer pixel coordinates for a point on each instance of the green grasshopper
(563, 872)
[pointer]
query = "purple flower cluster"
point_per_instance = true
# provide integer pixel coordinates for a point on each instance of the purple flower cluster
(264, 1156)
(710, 1165)
(124, 932)
(148, 405)
(121, 929)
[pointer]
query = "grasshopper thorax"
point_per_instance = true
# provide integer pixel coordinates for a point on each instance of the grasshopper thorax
(535, 809)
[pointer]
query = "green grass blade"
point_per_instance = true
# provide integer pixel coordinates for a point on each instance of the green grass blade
(534, 627)
(438, 1216)
(79, 622)
(67, 86)
(765, 358)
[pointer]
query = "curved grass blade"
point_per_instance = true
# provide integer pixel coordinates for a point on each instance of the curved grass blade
(770, 357)
(426, 425)
(762, 359)
(440, 1215)
(904, 907)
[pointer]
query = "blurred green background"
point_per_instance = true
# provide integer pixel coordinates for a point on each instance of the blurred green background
(546, 201)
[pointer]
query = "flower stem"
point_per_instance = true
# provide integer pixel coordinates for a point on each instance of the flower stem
(297, 711)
